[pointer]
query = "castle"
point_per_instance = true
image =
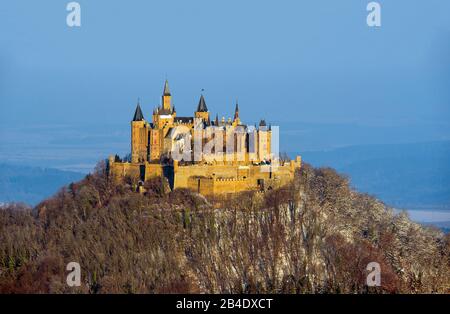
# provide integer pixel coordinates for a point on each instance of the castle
(204, 155)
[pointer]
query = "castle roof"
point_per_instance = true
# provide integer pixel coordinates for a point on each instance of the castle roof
(202, 105)
(166, 89)
(138, 116)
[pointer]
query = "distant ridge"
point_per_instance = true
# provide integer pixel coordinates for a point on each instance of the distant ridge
(412, 175)
(31, 185)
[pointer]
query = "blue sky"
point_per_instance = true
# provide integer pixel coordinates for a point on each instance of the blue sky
(312, 61)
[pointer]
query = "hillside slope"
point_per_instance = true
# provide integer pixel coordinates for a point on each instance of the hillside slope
(315, 236)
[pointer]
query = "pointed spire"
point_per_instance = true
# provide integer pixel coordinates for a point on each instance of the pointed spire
(173, 109)
(138, 116)
(216, 121)
(166, 89)
(236, 111)
(202, 105)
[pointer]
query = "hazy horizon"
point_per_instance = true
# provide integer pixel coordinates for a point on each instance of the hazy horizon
(314, 68)
(289, 61)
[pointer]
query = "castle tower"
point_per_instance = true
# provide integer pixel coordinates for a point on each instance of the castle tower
(163, 116)
(202, 110)
(264, 141)
(139, 137)
(155, 144)
(166, 97)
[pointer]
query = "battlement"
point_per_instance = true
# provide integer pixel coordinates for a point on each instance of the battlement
(235, 179)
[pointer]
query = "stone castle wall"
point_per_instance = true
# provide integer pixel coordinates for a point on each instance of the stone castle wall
(212, 179)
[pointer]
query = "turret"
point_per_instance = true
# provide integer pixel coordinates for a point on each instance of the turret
(216, 121)
(165, 113)
(138, 115)
(166, 97)
(236, 120)
(139, 136)
(202, 110)
(264, 141)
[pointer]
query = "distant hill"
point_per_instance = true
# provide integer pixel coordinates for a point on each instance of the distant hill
(32, 184)
(406, 176)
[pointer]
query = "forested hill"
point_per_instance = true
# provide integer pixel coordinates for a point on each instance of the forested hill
(316, 235)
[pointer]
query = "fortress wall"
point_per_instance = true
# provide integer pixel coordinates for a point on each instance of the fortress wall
(211, 186)
(216, 178)
(123, 169)
(230, 186)
(202, 185)
(152, 170)
(280, 176)
(182, 173)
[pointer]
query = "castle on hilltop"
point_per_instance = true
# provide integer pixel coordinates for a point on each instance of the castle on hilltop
(208, 156)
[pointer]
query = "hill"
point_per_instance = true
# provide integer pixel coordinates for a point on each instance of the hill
(316, 235)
